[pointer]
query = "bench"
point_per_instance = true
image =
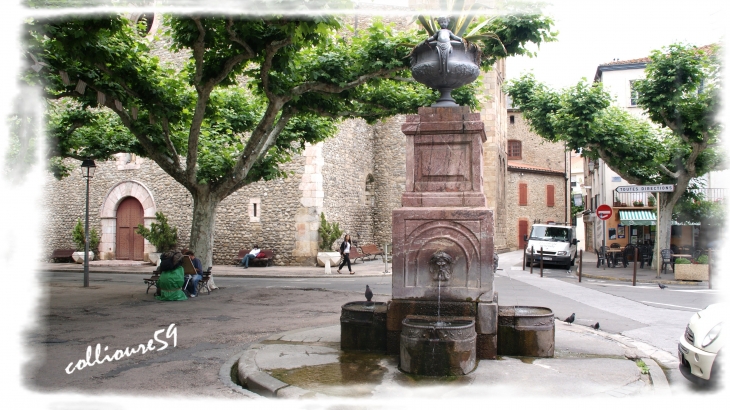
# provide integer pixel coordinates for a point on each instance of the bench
(152, 281)
(355, 255)
(266, 261)
(371, 250)
(62, 254)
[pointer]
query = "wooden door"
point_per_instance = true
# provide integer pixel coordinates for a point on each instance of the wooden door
(521, 232)
(130, 244)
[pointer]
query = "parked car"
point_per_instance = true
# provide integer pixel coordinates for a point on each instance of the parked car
(701, 344)
(558, 243)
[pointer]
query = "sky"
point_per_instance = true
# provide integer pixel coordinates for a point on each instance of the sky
(590, 33)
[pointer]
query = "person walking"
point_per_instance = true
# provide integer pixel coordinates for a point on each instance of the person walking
(345, 252)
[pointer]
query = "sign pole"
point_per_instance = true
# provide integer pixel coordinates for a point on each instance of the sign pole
(656, 239)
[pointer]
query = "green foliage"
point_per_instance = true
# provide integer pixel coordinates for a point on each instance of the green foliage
(574, 210)
(694, 208)
(644, 368)
(682, 261)
(160, 234)
(79, 237)
(496, 36)
(328, 233)
(583, 117)
(703, 260)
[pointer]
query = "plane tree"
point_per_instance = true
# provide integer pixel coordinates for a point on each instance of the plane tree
(678, 141)
(251, 93)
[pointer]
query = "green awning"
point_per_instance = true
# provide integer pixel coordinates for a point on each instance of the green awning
(637, 217)
(643, 217)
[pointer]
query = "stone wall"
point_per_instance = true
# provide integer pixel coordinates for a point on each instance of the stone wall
(493, 113)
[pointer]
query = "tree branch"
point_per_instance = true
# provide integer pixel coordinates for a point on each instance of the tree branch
(234, 38)
(667, 172)
(59, 96)
(199, 52)
(271, 50)
(334, 89)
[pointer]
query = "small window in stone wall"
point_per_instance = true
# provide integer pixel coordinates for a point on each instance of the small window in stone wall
(254, 210)
(514, 149)
(370, 190)
(523, 194)
(550, 195)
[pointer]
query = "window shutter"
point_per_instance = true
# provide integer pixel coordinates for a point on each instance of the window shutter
(551, 195)
(523, 194)
(522, 231)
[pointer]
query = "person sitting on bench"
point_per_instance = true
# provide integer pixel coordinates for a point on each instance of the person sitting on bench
(251, 255)
(193, 283)
(172, 277)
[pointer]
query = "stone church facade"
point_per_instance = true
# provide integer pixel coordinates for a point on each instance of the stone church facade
(355, 178)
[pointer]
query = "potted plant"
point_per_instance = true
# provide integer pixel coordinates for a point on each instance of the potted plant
(160, 234)
(616, 203)
(79, 238)
(328, 234)
(652, 201)
(684, 269)
(638, 203)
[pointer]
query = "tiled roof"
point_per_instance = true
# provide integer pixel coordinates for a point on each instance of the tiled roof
(527, 167)
(635, 63)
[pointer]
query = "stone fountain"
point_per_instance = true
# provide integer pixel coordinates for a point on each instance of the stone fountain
(444, 315)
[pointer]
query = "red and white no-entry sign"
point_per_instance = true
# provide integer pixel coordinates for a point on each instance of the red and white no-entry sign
(604, 212)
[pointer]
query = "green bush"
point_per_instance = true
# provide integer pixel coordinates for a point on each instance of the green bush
(703, 260)
(682, 261)
(160, 234)
(328, 233)
(79, 237)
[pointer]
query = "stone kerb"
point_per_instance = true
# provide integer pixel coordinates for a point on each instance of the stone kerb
(108, 213)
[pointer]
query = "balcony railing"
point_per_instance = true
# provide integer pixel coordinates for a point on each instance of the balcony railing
(629, 198)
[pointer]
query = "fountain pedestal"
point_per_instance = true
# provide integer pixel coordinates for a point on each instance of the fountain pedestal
(443, 235)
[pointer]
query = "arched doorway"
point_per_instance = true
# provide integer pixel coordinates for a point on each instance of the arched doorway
(130, 244)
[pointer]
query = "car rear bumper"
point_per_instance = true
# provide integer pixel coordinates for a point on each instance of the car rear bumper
(697, 361)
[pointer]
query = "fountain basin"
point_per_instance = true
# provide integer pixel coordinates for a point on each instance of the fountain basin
(362, 326)
(431, 346)
(525, 331)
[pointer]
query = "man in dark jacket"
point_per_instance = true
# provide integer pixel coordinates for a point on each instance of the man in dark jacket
(193, 283)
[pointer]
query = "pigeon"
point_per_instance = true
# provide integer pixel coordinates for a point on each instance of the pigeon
(662, 286)
(595, 326)
(368, 293)
(570, 319)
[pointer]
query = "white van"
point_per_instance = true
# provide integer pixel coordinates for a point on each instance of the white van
(558, 243)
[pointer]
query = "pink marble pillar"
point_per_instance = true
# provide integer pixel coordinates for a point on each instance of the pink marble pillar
(444, 211)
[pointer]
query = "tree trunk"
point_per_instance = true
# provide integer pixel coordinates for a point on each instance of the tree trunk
(201, 233)
(666, 202)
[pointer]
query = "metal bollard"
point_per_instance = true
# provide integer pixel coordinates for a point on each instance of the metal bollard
(532, 258)
(580, 266)
(524, 256)
(541, 261)
(709, 268)
(385, 257)
(636, 256)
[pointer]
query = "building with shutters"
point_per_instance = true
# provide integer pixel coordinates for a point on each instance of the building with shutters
(536, 180)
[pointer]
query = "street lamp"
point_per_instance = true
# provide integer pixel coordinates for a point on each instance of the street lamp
(87, 171)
